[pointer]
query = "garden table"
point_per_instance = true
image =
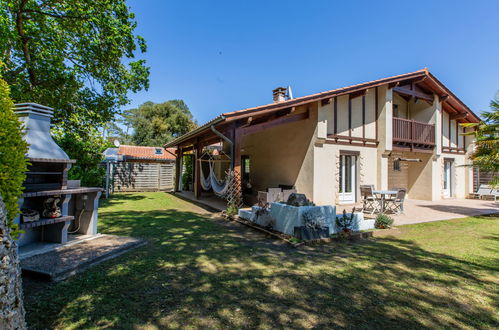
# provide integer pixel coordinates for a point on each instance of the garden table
(383, 194)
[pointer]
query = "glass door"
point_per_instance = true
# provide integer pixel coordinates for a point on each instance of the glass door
(447, 178)
(347, 179)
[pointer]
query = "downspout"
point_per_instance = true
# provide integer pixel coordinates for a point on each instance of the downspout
(226, 139)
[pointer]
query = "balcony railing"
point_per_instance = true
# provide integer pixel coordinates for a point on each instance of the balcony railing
(413, 132)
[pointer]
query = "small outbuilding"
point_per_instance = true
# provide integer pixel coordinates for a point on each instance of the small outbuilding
(138, 168)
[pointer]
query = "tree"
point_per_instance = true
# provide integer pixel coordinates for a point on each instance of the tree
(155, 124)
(486, 154)
(69, 54)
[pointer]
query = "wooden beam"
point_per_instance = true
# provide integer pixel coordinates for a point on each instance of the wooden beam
(335, 114)
(461, 115)
(276, 122)
(393, 85)
(443, 97)
(357, 94)
(326, 101)
(177, 169)
(363, 116)
(414, 93)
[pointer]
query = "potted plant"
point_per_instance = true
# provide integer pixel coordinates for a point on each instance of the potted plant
(344, 223)
(383, 221)
(314, 226)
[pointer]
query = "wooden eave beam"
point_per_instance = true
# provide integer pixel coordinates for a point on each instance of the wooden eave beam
(276, 122)
(393, 85)
(443, 98)
(458, 116)
(357, 94)
(326, 101)
(413, 93)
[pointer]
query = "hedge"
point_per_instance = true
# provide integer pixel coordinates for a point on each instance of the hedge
(13, 163)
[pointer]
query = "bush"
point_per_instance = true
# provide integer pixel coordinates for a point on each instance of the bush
(232, 210)
(13, 163)
(383, 221)
(187, 176)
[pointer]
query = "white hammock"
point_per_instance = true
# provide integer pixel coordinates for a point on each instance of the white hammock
(205, 182)
(219, 187)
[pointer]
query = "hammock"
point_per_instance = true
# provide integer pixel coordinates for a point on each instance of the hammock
(219, 187)
(205, 182)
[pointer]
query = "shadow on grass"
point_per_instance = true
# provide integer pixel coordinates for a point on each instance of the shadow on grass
(195, 272)
(115, 199)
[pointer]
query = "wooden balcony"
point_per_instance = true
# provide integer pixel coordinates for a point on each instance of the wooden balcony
(411, 134)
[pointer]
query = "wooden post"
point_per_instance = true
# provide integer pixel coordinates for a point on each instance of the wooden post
(237, 157)
(178, 169)
(197, 170)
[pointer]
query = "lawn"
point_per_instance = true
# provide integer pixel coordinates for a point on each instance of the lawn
(197, 271)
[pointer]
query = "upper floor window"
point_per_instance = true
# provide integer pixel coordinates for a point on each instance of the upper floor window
(395, 110)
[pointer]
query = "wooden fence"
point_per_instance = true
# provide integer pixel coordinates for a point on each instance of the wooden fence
(481, 177)
(133, 176)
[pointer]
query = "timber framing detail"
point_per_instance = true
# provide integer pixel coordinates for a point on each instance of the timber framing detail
(351, 140)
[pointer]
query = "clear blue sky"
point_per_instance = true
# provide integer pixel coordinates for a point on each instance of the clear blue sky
(221, 56)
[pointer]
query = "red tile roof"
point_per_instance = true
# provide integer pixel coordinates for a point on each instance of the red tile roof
(436, 85)
(138, 152)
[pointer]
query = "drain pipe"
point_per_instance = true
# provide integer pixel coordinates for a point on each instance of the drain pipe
(226, 139)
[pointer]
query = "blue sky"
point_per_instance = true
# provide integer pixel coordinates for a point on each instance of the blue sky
(221, 56)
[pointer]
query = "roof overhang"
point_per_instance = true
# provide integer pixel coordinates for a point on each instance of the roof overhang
(451, 103)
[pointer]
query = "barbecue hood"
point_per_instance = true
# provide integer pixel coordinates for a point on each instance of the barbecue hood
(36, 119)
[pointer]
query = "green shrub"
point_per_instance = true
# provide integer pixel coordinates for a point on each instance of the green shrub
(187, 176)
(383, 221)
(13, 163)
(232, 210)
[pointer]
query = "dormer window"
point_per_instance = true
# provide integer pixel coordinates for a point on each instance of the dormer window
(158, 151)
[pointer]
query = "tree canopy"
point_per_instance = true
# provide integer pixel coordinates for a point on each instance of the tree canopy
(154, 124)
(69, 55)
(486, 154)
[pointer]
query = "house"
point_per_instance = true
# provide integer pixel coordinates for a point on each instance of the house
(138, 168)
(402, 131)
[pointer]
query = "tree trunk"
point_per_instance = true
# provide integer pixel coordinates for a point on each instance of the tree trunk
(11, 296)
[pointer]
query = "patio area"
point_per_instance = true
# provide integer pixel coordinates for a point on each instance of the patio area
(417, 211)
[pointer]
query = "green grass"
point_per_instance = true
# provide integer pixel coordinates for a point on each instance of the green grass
(196, 272)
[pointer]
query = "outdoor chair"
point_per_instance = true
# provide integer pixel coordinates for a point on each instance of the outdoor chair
(396, 204)
(485, 192)
(369, 200)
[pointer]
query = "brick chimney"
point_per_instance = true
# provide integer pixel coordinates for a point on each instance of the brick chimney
(279, 94)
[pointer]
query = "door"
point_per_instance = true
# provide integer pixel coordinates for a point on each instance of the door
(347, 178)
(447, 178)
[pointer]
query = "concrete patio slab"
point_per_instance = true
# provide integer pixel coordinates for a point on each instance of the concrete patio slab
(68, 260)
(416, 211)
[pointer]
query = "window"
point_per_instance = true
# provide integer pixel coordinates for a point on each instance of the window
(395, 110)
(158, 151)
(396, 165)
(246, 167)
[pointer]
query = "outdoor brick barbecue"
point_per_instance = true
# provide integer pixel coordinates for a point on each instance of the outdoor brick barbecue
(51, 209)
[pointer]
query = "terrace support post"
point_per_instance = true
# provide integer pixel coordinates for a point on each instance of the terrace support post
(197, 169)
(178, 169)
(385, 134)
(238, 135)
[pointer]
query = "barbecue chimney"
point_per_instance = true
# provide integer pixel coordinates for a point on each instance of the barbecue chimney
(36, 119)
